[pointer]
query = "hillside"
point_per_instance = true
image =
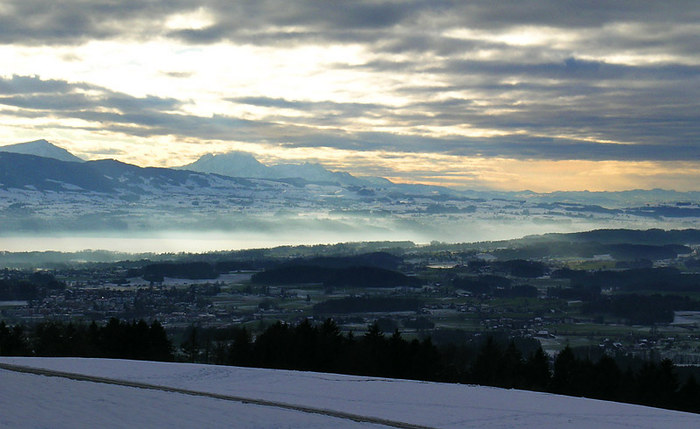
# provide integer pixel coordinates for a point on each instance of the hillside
(304, 400)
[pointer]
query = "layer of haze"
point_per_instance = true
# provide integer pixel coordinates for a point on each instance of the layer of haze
(206, 241)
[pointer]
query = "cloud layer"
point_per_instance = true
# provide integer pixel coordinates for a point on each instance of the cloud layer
(522, 80)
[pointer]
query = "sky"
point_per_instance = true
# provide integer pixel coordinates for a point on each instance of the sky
(510, 95)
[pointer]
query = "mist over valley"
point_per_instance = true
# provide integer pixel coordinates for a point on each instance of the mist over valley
(52, 200)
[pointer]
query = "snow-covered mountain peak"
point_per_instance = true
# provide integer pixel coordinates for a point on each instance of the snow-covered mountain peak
(234, 164)
(41, 148)
(244, 164)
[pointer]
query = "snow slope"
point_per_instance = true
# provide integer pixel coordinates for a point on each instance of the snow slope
(34, 401)
(37, 399)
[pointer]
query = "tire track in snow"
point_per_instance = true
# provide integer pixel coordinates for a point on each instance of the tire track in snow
(262, 402)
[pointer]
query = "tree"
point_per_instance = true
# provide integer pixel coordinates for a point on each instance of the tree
(689, 395)
(12, 341)
(511, 368)
(486, 368)
(191, 344)
(536, 371)
(565, 368)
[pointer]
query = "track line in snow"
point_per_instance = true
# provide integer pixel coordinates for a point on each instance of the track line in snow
(262, 402)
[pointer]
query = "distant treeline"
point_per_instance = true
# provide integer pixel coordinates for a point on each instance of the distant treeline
(667, 279)
(652, 236)
(630, 303)
(26, 287)
(194, 270)
(183, 270)
(585, 249)
(491, 362)
(493, 285)
(514, 267)
(313, 268)
(641, 309)
(358, 276)
(632, 308)
(115, 339)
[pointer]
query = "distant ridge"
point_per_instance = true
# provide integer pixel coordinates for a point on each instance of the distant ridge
(41, 148)
(243, 164)
(233, 164)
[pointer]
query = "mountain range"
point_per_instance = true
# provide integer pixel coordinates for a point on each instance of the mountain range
(44, 188)
(245, 165)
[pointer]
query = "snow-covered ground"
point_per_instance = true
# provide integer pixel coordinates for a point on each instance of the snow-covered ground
(36, 401)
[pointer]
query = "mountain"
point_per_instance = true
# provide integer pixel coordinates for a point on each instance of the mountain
(314, 173)
(233, 164)
(37, 173)
(168, 394)
(243, 164)
(113, 178)
(41, 148)
(291, 203)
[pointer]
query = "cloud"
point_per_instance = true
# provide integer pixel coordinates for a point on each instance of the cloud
(154, 116)
(32, 84)
(513, 147)
(528, 79)
(178, 74)
(75, 21)
(31, 92)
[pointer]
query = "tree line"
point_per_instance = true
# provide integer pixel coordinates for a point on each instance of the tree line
(322, 347)
(115, 339)
(26, 287)
(491, 362)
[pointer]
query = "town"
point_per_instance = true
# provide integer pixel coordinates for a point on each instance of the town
(618, 296)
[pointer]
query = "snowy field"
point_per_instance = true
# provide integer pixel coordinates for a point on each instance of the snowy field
(35, 401)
